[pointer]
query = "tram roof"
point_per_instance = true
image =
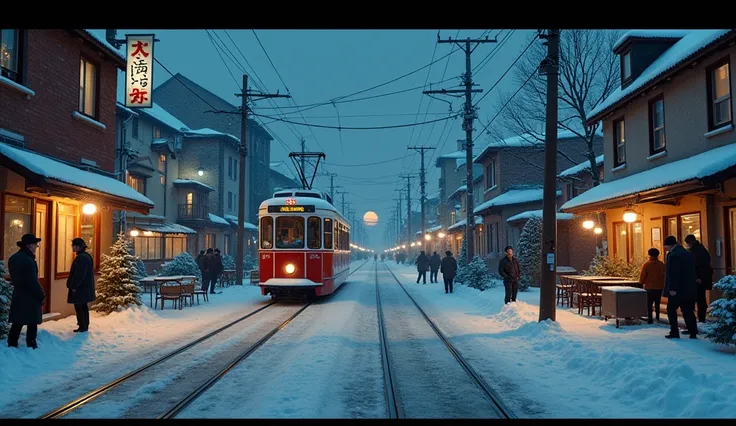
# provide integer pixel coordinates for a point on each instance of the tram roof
(301, 197)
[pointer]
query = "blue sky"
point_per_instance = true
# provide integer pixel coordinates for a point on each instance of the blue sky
(319, 65)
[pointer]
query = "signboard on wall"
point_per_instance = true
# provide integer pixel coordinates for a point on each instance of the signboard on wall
(139, 70)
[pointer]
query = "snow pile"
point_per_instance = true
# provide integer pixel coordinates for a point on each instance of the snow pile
(546, 369)
(698, 166)
(56, 170)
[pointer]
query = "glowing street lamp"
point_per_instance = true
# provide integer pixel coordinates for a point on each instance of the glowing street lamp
(427, 237)
(598, 230)
(89, 209)
(413, 244)
(588, 224)
(441, 235)
(629, 216)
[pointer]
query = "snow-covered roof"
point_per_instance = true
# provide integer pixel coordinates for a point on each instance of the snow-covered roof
(652, 34)
(107, 45)
(461, 223)
(192, 182)
(234, 220)
(217, 219)
(459, 190)
(512, 197)
(430, 230)
(122, 106)
(528, 140)
(433, 196)
(584, 166)
(456, 155)
(689, 45)
(159, 114)
(207, 132)
(56, 170)
(696, 167)
(166, 228)
(537, 213)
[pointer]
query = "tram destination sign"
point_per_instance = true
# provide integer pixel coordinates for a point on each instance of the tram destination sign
(291, 209)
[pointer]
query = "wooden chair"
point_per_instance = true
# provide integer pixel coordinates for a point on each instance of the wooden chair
(187, 292)
(169, 291)
(200, 290)
(590, 297)
(563, 293)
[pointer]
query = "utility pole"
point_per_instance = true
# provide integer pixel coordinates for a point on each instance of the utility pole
(243, 151)
(408, 206)
(342, 205)
(549, 67)
(469, 116)
(398, 221)
(423, 183)
(303, 151)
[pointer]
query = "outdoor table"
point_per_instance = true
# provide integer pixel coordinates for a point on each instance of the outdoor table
(623, 302)
(149, 283)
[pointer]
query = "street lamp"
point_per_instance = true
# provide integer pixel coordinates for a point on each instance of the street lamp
(629, 216)
(134, 233)
(200, 172)
(413, 244)
(441, 235)
(89, 209)
(427, 237)
(588, 224)
(598, 230)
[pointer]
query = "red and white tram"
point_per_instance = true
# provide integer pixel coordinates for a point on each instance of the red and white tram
(304, 244)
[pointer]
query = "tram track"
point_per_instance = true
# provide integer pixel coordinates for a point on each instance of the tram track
(394, 403)
(86, 399)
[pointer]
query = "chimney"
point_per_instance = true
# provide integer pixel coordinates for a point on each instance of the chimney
(460, 144)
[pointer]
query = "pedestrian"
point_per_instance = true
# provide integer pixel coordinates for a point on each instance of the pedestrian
(434, 266)
(703, 272)
(448, 269)
(81, 284)
(510, 270)
(652, 279)
(375, 258)
(680, 287)
(216, 269)
(203, 261)
(422, 263)
(28, 295)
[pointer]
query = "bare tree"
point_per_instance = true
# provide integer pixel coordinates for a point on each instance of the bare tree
(588, 73)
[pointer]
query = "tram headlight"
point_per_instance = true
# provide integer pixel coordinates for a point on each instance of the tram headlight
(290, 268)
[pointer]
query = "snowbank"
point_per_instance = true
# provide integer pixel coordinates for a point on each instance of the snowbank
(579, 366)
(115, 344)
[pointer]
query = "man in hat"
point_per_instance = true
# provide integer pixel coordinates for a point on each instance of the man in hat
(28, 295)
(680, 287)
(448, 268)
(81, 284)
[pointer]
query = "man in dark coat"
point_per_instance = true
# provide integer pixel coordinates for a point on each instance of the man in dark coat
(204, 267)
(703, 271)
(448, 267)
(434, 266)
(680, 287)
(510, 270)
(215, 270)
(81, 284)
(28, 295)
(422, 266)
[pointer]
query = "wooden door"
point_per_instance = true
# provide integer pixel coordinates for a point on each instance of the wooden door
(42, 224)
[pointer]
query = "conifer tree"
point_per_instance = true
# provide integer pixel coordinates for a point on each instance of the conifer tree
(117, 288)
(724, 311)
(182, 264)
(529, 253)
(6, 294)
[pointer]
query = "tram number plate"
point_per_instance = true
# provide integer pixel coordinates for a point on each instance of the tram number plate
(313, 256)
(291, 209)
(266, 256)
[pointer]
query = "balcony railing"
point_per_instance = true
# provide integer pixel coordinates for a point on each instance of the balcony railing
(193, 212)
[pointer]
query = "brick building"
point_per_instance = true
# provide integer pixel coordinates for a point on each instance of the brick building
(57, 150)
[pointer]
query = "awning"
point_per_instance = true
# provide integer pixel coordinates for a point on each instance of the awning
(681, 177)
(53, 177)
(461, 224)
(165, 228)
(191, 183)
(537, 213)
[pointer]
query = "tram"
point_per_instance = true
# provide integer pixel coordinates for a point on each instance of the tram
(304, 245)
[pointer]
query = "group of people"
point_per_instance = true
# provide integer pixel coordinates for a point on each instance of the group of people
(683, 279)
(435, 264)
(210, 265)
(26, 305)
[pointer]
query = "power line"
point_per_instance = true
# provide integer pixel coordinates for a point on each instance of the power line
(182, 83)
(368, 164)
(270, 61)
(322, 126)
(507, 70)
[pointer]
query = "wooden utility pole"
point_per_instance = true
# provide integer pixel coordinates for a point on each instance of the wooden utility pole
(550, 68)
(423, 183)
(408, 206)
(469, 116)
(243, 151)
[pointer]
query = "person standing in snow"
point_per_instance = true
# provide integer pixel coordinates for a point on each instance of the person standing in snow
(422, 263)
(680, 287)
(448, 267)
(434, 266)
(703, 271)
(216, 269)
(204, 268)
(510, 270)
(28, 295)
(652, 279)
(81, 284)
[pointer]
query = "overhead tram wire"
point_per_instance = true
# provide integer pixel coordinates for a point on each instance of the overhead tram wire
(322, 126)
(368, 164)
(507, 70)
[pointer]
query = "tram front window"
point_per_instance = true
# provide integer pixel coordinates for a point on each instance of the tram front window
(289, 232)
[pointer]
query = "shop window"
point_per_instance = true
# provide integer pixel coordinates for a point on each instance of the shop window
(683, 225)
(148, 248)
(17, 223)
(315, 234)
(628, 241)
(175, 245)
(66, 231)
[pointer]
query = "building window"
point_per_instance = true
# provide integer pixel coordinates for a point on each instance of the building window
(138, 183)
(619, 143)
(683, 225)
(231, 168)
(156, 132)
(626, 67)
(328, 233)
(229, 200)
(190, 198)
(17, 223)
(66, 231)
(491, 174)
(148, 248)
(719, 94)
(314, 233)
(210, 241)
(11, 55)
(134, 127)
(266, 232)
(87, 88)
(162, 168)
(227, 248)
(89, 235)
(628, 242)
(175, 245)
(656, 125)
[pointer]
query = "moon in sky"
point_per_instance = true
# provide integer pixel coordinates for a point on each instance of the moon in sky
(370, 219)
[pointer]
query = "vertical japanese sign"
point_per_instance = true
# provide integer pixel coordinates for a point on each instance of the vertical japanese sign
(139, 71)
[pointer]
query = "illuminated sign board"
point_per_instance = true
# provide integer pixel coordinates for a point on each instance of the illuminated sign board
(139, 70)
(291, 209)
